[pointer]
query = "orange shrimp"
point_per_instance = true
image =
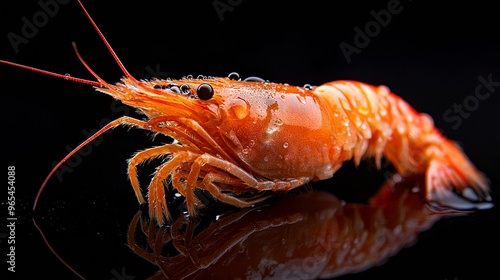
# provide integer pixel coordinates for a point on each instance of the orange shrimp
(243, 140)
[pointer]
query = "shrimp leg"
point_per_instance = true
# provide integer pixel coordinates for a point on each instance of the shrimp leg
(233, 170)
(143, 156)
(185, 123)
(156, 191)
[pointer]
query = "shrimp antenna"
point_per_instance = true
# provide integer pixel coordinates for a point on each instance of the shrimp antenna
(80, 80)
(108, 46)
(74, 151)
(101, 81)
(57, 75)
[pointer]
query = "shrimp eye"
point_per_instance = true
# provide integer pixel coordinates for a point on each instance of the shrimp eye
(205, 91)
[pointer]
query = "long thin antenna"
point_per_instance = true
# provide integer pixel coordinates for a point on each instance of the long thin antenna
(66, 77)
(74, 151)
(108, 46)
(101, 81)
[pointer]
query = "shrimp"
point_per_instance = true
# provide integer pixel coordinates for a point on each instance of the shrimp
(243, 140)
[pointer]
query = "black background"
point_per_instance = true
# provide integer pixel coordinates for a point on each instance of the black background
(430, 54)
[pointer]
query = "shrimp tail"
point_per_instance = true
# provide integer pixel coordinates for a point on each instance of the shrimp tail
(449, 172)
(373, 122)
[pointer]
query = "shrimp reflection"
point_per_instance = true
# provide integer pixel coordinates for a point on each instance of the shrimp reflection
(307, 236)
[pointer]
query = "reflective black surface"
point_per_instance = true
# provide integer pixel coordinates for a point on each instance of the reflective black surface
(431, 55)
(304, 235)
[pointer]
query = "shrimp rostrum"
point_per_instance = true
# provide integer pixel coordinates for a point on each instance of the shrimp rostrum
(241, 140)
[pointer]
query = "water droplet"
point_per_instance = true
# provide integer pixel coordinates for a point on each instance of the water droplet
(185, 89)
(252, 143)
(302, 100)
(234, 76)
(271, 129)
(175, 89)
(285, 145)
(67, 74)
(397, 178)
(266, 159)
(308, 86)
(189, 77)
(200, 77)
(254, 79)
(345, 105)
(239, 108)
(279, 122)
(363, 111)
(244, 151)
